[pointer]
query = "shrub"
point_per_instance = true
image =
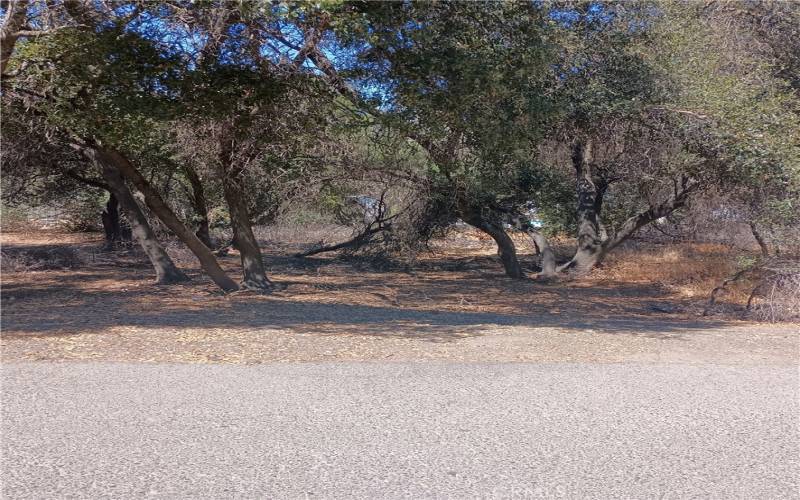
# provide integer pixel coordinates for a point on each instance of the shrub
(777, 295)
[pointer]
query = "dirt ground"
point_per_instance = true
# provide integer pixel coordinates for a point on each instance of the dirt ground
(453, 304)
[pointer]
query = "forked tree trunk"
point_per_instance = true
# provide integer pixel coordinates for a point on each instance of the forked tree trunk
(200, 206)
(683, 188)
(593, 241)
(168, 217)
(540, 243)
(254, 275)
(166, 271)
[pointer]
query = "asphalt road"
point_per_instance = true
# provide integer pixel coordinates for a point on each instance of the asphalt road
(400, 430)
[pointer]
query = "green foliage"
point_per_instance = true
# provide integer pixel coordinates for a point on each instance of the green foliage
(111, 85)
(732, 108)
(602, 74)
(469, 83)
(476, 104)
(553, 193)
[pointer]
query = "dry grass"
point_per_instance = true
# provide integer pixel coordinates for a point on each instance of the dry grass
(691, 270)
(776, 296)
(765, 290)
(687, 271)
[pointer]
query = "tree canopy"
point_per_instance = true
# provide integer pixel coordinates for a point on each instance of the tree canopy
(590, 118)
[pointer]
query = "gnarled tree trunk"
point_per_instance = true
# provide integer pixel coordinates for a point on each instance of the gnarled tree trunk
(683, 188)
(540, 243)
(590, 230)
(168, 217)
(593, 241)
(254, 275)
(762, 244)
(166, 270)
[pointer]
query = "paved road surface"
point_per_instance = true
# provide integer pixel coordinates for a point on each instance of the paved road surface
(399, 430)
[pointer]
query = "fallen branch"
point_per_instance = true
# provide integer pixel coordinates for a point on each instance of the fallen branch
(359, 240)
(716, 291)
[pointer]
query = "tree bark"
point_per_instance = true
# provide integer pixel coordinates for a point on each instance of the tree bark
(168, 217)
(15, 16)
(200, 206)
(762, 244)
(676, 200)
(505, 245)
(114, 230)
(110, 218)
(548, 257)
(254, 275)
(593, 243)
(540, 243)
(602, 186)
(166, 270)
(590, 240)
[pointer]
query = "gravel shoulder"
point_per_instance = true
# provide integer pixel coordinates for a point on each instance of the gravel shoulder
(271, 329)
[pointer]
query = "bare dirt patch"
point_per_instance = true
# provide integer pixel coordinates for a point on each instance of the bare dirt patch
(453, 304)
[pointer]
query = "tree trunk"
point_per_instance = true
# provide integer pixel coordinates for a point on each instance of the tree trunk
(505, 245)
(166, 271)
(548, 257)
(676, 200)
(601, 186)
(584, 260)
(168, 217)
(110, 219)
(590, 240)
(200, 206)
(540, 243)
(113, 226)
(15, 16)
(759, 239)
(254, 275)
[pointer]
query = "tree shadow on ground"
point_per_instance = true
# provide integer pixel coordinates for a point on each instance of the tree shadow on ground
(78, 309)
(439, 301)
